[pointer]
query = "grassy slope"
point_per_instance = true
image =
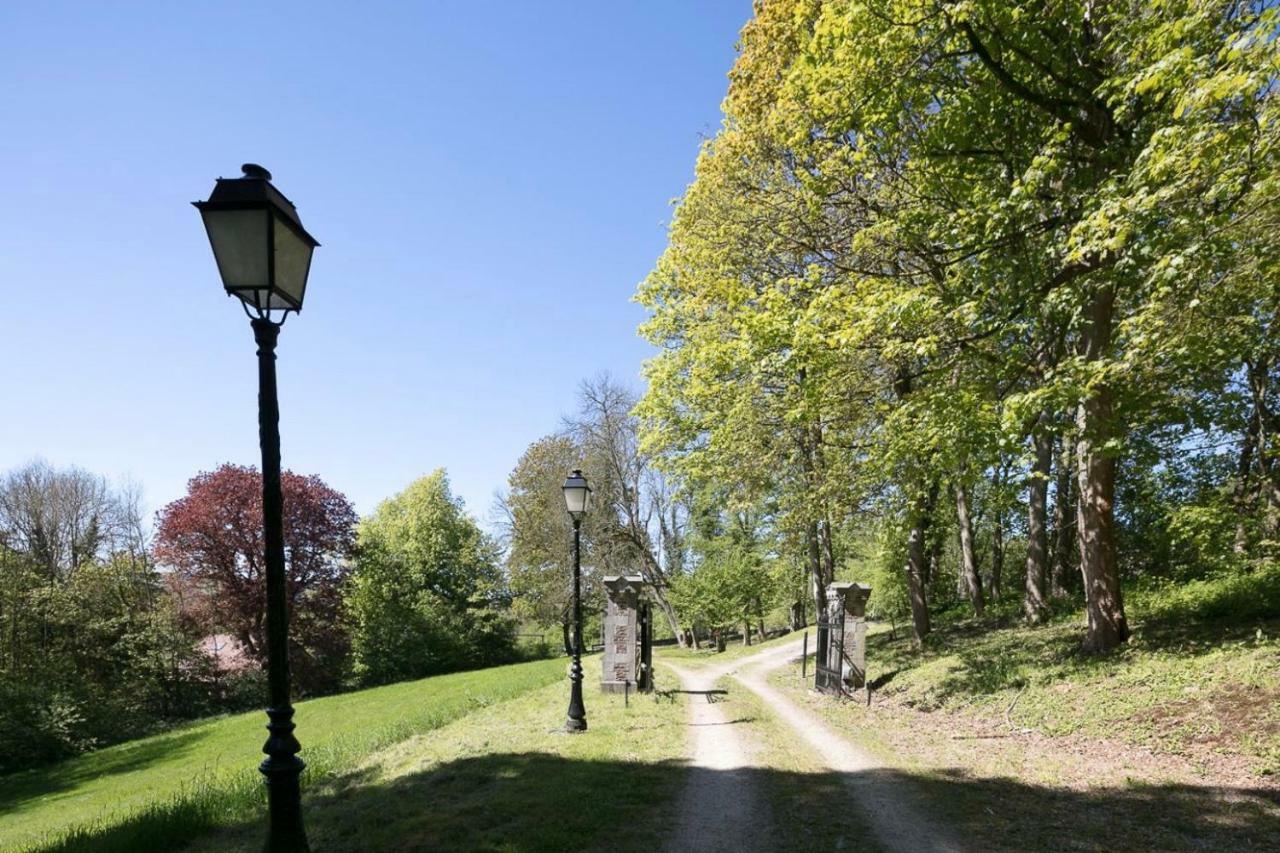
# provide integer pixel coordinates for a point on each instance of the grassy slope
(1170, 743)
(1199, 679)
(507, 778)
(155, 790)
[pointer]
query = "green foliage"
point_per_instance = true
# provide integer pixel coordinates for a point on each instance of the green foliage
(881, 569)
(427, 592)
(99, 657)
(539, 534)
(731, 585)
(925, 228)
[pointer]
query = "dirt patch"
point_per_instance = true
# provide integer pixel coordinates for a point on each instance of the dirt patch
(1213, 730)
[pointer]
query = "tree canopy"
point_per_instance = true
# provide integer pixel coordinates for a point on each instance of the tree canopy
(426, 593)
(934, 239)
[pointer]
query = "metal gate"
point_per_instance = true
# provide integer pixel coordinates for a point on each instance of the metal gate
(829, 668)
(644, 626)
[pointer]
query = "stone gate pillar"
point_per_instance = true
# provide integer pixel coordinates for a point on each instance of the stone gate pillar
(850, 599)
(621, 637)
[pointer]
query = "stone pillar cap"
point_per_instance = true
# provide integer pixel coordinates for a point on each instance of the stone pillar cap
(849, 589)
(616, 584)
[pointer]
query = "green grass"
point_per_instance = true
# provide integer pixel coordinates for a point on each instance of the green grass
(506, 778)
(1200, 676)
(153, 793)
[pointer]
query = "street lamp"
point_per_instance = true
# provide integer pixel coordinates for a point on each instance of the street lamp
(264, 256)
(577, 499)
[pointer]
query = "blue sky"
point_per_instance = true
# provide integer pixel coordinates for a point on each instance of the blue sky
(489, 182)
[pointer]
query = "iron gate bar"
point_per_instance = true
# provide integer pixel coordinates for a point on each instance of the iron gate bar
(829, 666)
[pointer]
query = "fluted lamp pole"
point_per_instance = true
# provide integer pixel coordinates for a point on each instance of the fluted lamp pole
(577, 499)
(264, 258)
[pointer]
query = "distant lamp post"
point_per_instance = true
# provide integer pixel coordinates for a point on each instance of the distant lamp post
(264, 256)
(577, 499)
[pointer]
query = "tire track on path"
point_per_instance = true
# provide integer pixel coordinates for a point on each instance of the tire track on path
(891, 810)
(721, 807)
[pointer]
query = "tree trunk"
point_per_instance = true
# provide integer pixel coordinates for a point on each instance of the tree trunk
(746, 632)
(828, 551)
(968, 561)
(1242, 493)
(997, 554)
(1267, 425)
(917, 566)
(564, 636)
(815, 570)
(1063, 513)
(660, 597)
(1096, 471)
(1034, 605)
(934, 563)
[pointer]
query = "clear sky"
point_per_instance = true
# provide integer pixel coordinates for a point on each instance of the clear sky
(488, 180)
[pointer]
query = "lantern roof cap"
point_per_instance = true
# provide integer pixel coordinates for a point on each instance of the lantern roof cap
(253, 189)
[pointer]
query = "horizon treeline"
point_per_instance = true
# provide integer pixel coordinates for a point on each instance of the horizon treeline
(109, 631)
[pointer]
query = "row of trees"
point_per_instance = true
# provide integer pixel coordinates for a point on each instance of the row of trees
(106, 635)
(957, 281)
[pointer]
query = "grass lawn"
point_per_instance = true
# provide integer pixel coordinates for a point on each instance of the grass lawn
(1199, 679)
(1170, 743)
(506, 778)
(152, 793)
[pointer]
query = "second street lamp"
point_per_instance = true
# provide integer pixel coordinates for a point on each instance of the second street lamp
(264, 257)
(577, 499)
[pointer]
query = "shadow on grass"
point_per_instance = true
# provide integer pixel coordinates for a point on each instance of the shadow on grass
(538, 802)
(27, 785)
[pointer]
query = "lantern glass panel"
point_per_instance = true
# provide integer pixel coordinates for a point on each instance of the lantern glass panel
(293, 260)
(239, 239)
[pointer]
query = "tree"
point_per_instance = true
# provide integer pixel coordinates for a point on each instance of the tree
(65, 518)
(213, 537)
(636, 521)
(731, 586)
(427, 593)
(92, 649)
(539, 536)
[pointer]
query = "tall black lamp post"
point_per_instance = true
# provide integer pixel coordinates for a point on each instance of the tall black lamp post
(264, 256)
(577, 499)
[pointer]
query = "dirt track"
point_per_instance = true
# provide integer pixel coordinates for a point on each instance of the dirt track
(723, 810)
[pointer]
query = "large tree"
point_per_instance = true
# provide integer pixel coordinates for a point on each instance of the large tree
(427, 595)
(213, 537)
(637, 521)
(538, 536)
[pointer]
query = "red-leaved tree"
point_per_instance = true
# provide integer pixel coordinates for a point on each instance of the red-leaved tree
(213, 538)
